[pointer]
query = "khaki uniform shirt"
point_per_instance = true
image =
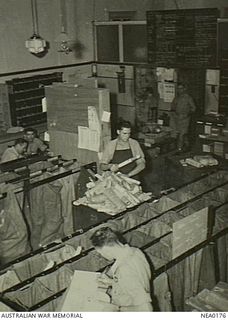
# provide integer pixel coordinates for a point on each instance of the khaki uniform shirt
(35, 146)
(131, 279)
(10, 154)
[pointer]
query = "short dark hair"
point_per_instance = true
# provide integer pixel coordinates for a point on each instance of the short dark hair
(105, 236)
(123, 124)
(20, 141)
(30, 130)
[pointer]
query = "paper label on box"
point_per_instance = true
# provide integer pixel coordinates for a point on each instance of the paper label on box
(93, 120)
(212, 77)
(165, 74)
(44, 104)
(46, 136)
(207, 129)
(169, 74)
(206, 148)
(88, 139)
(106, 116)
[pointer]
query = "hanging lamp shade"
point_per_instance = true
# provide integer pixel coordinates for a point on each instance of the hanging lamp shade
(35, 44)
(63, 40)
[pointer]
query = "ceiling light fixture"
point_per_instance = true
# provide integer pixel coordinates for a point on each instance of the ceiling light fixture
(35, 44)
(64, 43)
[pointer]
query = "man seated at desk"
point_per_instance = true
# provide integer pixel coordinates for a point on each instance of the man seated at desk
(121, 149)
(15, 152)
(35, 145)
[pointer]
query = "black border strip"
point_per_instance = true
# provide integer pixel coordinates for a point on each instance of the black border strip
(6, 74)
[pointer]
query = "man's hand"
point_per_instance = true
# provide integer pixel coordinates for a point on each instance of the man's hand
(50, 153)
(104, 281)
(114, 168)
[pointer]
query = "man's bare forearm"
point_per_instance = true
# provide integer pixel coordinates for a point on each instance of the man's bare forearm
(138, 169)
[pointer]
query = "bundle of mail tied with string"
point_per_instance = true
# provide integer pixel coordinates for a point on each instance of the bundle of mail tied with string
(113, 193)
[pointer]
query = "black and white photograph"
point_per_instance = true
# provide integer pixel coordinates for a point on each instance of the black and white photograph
(113, 158)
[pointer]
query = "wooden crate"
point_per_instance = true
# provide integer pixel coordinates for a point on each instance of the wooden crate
(67, 108)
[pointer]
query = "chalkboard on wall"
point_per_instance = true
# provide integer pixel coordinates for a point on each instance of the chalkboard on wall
(223, 64)
(182, 37)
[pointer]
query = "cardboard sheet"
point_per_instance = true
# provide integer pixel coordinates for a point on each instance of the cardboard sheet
(83, 294)
(106, 116)
(212, 77)
(88, 139)
(93, 120)
(189, 232)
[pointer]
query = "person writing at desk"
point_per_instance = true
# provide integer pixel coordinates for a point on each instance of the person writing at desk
(122, 149)
(128, 279)
(15, 152)
(35, 145)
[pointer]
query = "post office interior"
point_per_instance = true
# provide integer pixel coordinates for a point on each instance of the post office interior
(73, 70)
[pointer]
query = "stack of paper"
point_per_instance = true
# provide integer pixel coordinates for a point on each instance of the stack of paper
(84, 294)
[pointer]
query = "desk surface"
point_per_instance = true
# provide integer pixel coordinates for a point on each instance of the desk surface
(178, 175)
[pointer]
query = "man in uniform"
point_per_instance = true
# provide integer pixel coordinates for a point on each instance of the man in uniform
(183, 107)
(35, 145)
(15, 152)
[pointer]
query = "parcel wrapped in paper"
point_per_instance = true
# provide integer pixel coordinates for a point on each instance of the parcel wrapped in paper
(113, 193)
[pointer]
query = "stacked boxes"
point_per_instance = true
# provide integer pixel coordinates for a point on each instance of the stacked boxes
(219, 148)
(215, 138)
(210, 300)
